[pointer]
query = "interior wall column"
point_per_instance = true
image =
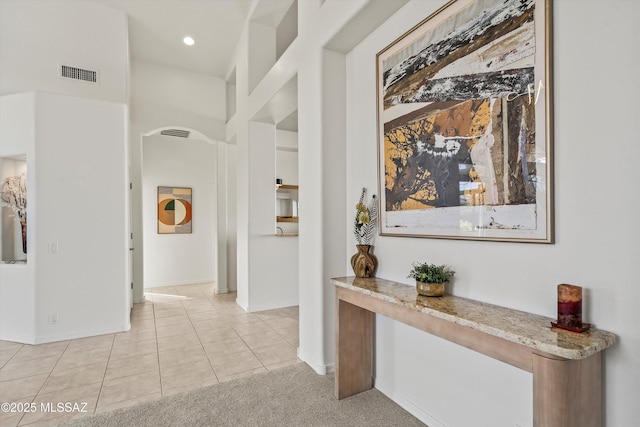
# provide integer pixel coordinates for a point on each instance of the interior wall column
(335, 206)
(262, 279)
(221, 285)
(310, 164)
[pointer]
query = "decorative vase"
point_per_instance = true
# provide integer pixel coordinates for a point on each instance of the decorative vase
(364, 263)
(430, 289)
(23, 225)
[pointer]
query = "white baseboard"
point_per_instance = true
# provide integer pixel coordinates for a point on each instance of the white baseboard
(189, 282)
(22, 339)
(43, 339)
(245, 308)
(320, 369)
(408, 405)
(252, 308)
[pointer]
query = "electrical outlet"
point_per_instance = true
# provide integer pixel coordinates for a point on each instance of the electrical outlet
(53, 319)
(53, 248)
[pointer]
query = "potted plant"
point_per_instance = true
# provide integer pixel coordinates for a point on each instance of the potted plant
(430, 278)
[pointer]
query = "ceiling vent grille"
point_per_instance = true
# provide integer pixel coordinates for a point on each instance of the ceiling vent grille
(176, 132)
(76, 73)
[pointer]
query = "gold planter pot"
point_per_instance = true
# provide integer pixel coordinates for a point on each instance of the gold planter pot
(430, 289)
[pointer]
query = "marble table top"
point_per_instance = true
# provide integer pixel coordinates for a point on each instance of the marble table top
(531, 330)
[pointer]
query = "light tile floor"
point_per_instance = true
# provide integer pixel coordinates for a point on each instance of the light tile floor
(181, 338)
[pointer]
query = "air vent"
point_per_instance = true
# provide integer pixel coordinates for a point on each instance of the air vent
(176, 132)
(76, 73)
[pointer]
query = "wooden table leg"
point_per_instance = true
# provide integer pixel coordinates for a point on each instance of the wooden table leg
(567, 393)
(354, 349)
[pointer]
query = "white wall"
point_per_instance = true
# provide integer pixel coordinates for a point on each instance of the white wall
(320, 83)
(267, 273)
(287, 156)
(334, 202)
(221, 197)
(17, 283)
(231, 223)
(177, 259)
(76, 200)
(37, 36)
(273, 261)
(81, 194)
(161, 98)
(237, 131)
(596, 239)
(76, 157)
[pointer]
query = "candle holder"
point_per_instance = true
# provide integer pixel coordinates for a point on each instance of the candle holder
(570, 309)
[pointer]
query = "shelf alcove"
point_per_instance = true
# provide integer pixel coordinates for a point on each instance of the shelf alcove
(13, 248)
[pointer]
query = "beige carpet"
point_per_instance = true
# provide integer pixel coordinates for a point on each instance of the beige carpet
(291, 396)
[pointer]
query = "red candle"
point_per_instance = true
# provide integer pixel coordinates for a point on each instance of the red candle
(570, 305)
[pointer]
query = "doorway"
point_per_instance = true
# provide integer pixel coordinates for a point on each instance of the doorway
(181, 157)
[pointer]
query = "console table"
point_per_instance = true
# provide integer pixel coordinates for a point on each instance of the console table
(566, 366)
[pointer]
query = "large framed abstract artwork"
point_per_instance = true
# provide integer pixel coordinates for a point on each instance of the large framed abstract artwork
(465, 124)
(174, 210)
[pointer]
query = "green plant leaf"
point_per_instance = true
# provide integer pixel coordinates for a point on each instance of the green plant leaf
(430, 273)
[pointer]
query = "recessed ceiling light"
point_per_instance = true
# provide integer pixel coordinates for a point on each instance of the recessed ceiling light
(188, 41)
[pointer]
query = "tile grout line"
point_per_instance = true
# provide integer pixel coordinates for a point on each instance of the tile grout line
(125, 376)
(155, 329)
(45, 381)
(104, 375)
(54, 367)
(252, 350)
(239, 336)
(13, 355)
(219, 305)
(200, 340)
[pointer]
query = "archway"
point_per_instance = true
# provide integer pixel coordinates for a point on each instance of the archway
(210, 225)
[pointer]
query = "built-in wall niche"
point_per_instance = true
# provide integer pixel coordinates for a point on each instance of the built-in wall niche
(287, 177)
(13, 213)
(286, 210)
(287, 29)
(272, 29)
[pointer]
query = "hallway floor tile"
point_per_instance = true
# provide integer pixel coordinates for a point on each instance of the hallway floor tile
(181, 338)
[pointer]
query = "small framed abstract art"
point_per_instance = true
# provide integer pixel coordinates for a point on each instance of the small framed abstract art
(465, 124)
(174, 210)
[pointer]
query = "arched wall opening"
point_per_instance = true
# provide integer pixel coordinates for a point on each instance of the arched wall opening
(181, 157)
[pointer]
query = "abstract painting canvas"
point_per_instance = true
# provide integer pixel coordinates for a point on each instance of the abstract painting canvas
(464, 124)
(174, 210)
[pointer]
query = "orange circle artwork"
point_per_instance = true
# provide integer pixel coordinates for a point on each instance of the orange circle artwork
(174, 212)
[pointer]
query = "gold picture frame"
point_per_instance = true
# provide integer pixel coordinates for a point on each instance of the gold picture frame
(465, 124)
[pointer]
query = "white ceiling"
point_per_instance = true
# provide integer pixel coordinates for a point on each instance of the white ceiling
(157, 27)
